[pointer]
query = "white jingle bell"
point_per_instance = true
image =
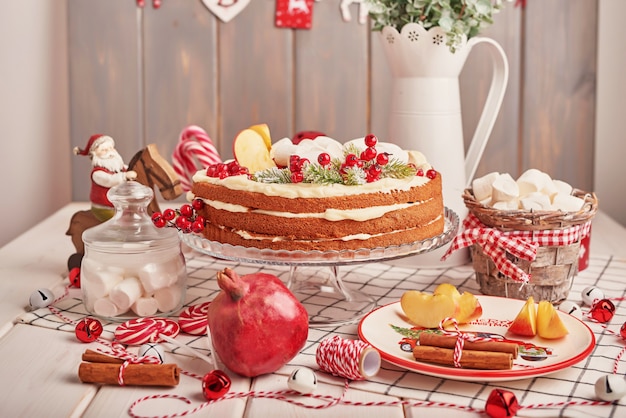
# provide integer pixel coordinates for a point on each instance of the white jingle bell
(591, 294)
(302, 380)
(41, 298)
(153, 350)
(610, 387)
(571, 308)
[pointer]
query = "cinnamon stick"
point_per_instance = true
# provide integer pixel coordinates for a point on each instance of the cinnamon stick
(134, 374)
(449, 341)
(470, 359)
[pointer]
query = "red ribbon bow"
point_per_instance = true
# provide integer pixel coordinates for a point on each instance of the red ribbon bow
(521, 244)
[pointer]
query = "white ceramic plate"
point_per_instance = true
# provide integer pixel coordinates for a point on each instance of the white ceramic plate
(377, 329)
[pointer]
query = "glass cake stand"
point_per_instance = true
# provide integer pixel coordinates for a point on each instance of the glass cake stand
(314, 275)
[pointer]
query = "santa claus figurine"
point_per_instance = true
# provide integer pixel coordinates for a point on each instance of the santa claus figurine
(108, 170)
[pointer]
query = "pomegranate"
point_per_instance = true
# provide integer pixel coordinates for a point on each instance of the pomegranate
(256, 323)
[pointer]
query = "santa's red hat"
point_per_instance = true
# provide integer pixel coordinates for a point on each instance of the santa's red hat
(94, 142)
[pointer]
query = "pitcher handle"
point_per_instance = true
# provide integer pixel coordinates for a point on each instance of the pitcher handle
(491, 108)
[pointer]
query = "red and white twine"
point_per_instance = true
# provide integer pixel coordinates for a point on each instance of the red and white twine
(521, 244)
(341, 357)
(194, 151)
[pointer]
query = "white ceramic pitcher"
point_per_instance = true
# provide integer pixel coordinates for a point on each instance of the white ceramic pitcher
(425, 111)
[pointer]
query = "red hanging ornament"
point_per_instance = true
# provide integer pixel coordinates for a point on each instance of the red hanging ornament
(602, 311)
(622, 331)
(295, 14)
(501, 404)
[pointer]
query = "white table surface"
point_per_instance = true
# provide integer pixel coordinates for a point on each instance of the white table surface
(38, 365)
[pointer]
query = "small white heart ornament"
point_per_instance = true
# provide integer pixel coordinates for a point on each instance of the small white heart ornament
(225, 10)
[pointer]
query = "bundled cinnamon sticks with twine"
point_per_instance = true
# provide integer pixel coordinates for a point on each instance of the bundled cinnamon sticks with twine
(443, 349)
(101, 368)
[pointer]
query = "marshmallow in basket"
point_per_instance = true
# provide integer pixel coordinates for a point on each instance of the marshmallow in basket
(533, 190)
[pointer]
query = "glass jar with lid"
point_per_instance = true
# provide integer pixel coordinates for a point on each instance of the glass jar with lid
(130, 267)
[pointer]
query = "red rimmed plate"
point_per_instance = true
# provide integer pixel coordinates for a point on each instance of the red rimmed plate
(388, 331)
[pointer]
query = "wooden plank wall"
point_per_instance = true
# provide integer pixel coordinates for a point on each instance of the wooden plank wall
(142, 75)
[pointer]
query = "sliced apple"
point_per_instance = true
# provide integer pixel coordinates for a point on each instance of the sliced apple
(250, 150)
(525, 323)
(263, 130)
(469, 307)
(549, 323)
(427, 310)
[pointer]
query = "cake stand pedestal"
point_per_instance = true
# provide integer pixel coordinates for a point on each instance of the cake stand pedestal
(314, 276)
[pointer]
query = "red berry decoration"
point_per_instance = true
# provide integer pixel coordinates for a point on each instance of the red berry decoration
(323, 159)
(371, 140)
(215, 384)
(369, 154)
(419, 172)
(501, 404)
(382, 158)
(351, 160)
(602, 311)
(88, 330)
(431, 174)
(158, 220)
(186, 211)
(297, 177)
(197, 204)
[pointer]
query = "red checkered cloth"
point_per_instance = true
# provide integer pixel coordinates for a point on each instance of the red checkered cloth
(521, 244)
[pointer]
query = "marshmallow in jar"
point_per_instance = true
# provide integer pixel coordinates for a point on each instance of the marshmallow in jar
(132, 268)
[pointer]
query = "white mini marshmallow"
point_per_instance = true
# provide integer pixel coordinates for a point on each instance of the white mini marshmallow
(536, 201)
(145, 306)
(531, 180)
(154, 276)
(567, 202)
(99, 282)
(504, 188)
(126, 292)
(562, 187)
(168, 298)
(106, 308)
(508, 205)
(482, 186)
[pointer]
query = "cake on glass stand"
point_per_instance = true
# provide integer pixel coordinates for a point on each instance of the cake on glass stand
(314, 276)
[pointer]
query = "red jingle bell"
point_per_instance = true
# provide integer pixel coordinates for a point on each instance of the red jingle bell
(622, 331)
(74, 277)
(215, 384)
(602, 311)
(88, 330)
(501, 404)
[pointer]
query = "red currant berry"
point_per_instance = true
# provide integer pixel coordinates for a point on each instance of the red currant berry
(243, 171)
(382, 158)
(323, 158)
(197, 204)
(186, 210)
(297, 177)
(419, 172)
(157, 220)
(371, 140)
(180, 221)
(431, 174)
(169, 214)
(373, 173)
(351, 160)
(369, 154)
(197, 226)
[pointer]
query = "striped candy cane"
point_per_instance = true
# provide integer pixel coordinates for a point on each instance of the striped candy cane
(194, 151)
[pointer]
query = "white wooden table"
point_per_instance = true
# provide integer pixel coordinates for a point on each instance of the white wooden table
(38, 365)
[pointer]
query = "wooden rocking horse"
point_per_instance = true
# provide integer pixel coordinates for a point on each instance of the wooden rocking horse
(152, 171)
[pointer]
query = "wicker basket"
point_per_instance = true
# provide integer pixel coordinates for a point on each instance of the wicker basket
(553, 270)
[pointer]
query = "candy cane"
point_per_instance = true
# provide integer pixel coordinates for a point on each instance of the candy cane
(194, 151)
